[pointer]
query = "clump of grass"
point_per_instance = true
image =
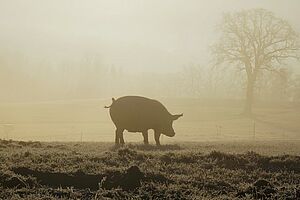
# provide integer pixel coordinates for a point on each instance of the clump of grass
(278, 163)
(228, 161)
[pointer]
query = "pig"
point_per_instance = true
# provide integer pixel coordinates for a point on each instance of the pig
(139, 114)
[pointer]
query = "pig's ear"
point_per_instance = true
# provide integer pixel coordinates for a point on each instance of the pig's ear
(175, 117)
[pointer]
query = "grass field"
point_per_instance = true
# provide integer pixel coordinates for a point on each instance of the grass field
(216, 153)
(207, 170)
(204, 120)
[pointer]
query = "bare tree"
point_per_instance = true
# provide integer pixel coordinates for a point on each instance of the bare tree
(252, 41)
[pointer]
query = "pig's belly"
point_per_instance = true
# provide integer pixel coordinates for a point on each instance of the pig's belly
(137, 128)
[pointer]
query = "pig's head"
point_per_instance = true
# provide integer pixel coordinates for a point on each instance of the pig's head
(167, 128)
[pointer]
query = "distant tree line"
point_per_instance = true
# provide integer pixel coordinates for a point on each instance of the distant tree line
(250, 61)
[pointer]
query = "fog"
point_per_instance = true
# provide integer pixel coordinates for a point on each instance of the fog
(61, 61)
(48, 48)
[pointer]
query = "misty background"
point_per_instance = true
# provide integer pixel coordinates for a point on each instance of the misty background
(61, 61)
(54, 50)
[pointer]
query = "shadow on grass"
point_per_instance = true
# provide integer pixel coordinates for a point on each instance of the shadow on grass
(129, 179)
(78, 180)
(143, 147)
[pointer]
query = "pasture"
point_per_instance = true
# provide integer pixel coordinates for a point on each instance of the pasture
(204, 120)
(216, 154)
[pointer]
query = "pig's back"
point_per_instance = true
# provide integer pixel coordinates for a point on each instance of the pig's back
(136, 114)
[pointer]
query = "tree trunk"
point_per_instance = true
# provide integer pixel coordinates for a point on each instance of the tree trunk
(249, 97)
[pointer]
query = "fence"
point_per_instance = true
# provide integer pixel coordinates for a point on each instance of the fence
(186, 130)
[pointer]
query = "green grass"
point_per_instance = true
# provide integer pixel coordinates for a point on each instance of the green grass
(213, 170)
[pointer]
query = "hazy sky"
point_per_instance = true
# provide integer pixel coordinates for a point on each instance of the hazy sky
(156, 34)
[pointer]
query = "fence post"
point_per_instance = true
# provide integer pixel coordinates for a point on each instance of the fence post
(218, 130)
(254, 129)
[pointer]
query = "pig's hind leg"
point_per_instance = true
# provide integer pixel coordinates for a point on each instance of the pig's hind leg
(145, 135)
(119, 136)
(156, 137)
